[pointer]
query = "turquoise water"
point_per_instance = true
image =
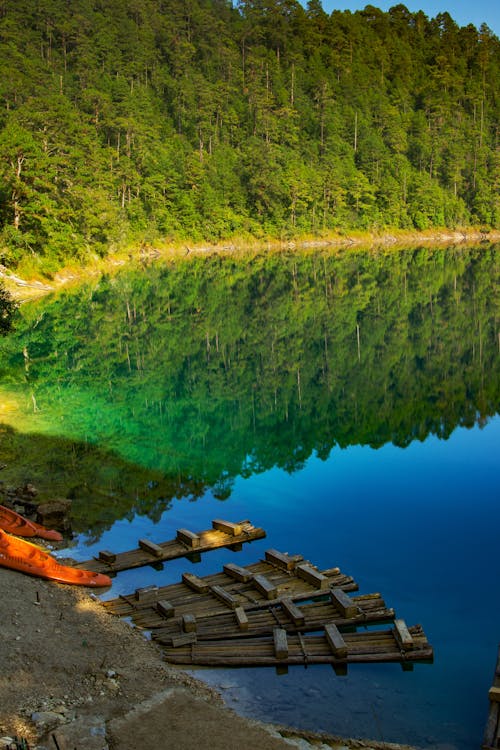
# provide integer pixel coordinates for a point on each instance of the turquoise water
(349, 405)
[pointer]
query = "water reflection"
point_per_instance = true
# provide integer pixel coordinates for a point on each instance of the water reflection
(205, 370)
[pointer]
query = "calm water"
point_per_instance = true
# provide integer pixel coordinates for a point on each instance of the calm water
(346, 404)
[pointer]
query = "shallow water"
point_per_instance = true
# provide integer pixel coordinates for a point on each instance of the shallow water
(347, 405)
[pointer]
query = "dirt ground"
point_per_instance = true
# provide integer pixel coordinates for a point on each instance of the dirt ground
(73, 677)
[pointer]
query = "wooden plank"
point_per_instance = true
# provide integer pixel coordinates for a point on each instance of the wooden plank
(292, 611)
(239, 574)
(106, 556)
(183, 640)
(280, 643)
(224, 596)
(189, 538)
(241, 618)
(403, 635)
(195, 583)
(189, 623)
(146, 593)
(335, 641)
(148, 546)
(265, 586)
(165, 608)
(282, 559)
(344, 603)
(312, 576)
(494, 694)
(234, 529)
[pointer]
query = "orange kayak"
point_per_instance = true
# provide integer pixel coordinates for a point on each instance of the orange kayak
(15, 524)
(28, 558)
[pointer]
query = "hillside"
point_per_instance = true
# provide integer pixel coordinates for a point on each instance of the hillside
(126, 121)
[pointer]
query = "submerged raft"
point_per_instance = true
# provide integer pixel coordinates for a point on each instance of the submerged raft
(186, 543)
(491, 739)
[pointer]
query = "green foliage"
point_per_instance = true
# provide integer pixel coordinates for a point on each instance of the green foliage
(123, 121)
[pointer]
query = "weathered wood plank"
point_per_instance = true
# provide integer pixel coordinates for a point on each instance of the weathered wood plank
(292, 611)
(312, 576)
(224, 596)
(344, 603)
(336, 641)
(491, 730)
(166, 609)
(146, 593)
(280, 643)
(403, 635)
(494, 694)
(183, 639)
(106, 556)
(148, 546)
(241, 618)
(265, 586)
(282, 559)
(227, 527)
(189, 623)
(239, 574)
(197, 584)
(189, 538)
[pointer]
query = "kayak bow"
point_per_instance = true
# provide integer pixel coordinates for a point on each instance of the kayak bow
(26, 557)
(15, 524)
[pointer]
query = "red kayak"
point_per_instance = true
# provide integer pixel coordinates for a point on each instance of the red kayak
(28, 558)
(15, 524)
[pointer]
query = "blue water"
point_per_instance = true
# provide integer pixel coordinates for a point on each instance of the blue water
(420, 525)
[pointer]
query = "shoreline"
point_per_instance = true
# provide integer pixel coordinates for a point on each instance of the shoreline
(37, 285)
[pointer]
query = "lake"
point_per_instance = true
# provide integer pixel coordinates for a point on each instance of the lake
(347, 402)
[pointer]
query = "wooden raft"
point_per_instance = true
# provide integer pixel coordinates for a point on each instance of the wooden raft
(222, 534)
(259, 585)
(291, 617)
(491, 739)
(329, 647)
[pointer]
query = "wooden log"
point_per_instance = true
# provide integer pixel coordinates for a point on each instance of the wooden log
(233, 529)
(224, 596)
(166, 609)
(265, 586)
(146, 593)
(189, 538)
(189, 623)
(312, 576)
(195, 583)
(403, 635)
(344, 603)
(280, 643)
(292, 611)
(335, 641)
(282, 559)
(239, 574)
(148, 546)
(107, 556)
(491, 730)
(241, 618)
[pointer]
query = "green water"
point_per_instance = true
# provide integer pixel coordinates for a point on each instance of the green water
(345, 402)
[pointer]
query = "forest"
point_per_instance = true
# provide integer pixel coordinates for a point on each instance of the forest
(127, 121)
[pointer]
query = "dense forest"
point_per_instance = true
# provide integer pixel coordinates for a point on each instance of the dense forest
(209, 368)
(125, 121)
